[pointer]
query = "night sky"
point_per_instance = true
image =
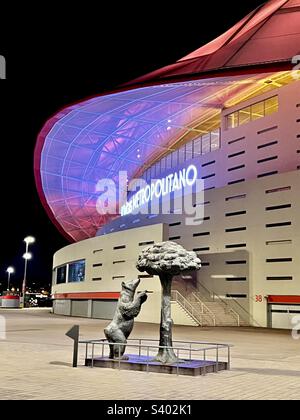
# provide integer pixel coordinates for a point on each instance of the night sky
(54, 59)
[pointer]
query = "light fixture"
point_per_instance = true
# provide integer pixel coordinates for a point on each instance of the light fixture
(27, 256)
(29, 240)
(10, 270)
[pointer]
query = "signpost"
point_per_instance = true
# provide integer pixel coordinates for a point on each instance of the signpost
(73, 333)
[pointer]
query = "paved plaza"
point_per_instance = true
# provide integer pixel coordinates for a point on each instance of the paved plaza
(36, 363)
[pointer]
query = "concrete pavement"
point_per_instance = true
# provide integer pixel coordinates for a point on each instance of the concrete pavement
(36, 363)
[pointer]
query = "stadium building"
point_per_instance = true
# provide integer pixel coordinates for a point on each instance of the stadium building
(228, 114)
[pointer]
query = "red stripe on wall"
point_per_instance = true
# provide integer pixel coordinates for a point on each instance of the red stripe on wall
(10, 297)
(284, 299)
(88, 295)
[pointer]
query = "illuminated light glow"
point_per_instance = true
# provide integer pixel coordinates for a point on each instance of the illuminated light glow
(193, 169)
(29, 240)
(27, 256)
(161, 188)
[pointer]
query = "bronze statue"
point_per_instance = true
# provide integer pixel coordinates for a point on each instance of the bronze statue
(121, 326)
(167, 259)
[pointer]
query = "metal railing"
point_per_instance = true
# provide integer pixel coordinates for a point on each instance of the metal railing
(213, 297)
(187, 306)
(205, 308)
(190, 350)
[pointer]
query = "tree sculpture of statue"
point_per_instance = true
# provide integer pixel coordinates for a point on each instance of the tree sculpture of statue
(121, 326)
(167, 259)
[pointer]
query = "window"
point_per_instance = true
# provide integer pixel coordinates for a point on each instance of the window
(271, 106)
(236, 278)
(61, 274)
(238, 229)
(280, 242)
(97, 265)
(235, 246)
(119, 247)
(232, 120)
(278, 190)
(275, 225)
(280, 207)
(206, 144)
(175, 159)
(181, 155)
(208, 164)
(215, 140)
(236, 197)
(241, 262)
(252, 113)
(96, 251)
(236, 213)
(118, 278)
(76, 272)
(146, 243)
(272, 143)
(189, 151)
(258, 111)
(244, 116)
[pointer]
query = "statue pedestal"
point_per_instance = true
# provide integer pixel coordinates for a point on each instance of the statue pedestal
(145, 364)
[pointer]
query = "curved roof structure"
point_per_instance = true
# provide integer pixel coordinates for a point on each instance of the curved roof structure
(133, 127)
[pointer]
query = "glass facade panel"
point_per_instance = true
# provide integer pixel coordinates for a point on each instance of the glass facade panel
(197, 147)
(206, 144)
(271, 105)
(257, 111)
(244, 116)
(175, 159)
(76, 272)
(189, 150)
(233, 120)
(61, 274)
(181, 153)
(215, 140)
(169, 161)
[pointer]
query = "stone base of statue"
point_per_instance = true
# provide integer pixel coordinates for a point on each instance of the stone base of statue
(147, 364)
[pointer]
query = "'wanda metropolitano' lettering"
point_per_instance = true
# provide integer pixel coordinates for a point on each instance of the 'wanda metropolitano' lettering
(160, 188)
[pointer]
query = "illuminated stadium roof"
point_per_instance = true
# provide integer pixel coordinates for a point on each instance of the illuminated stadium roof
(130, 129)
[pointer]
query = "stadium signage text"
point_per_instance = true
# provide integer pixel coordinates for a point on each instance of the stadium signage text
(160, 188)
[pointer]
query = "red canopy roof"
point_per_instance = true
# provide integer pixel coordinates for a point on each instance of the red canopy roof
(269, 36)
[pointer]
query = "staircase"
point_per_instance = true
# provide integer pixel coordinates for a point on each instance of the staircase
(201, 314)
(207, 310)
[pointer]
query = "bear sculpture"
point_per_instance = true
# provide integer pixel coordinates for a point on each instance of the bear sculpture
(121, 326)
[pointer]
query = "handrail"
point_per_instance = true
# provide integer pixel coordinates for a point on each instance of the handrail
(210, 312)
(214, 295)
(177, 297)
(189, 347)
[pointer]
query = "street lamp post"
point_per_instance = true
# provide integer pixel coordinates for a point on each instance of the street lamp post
(27, 256)
(9, 271)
